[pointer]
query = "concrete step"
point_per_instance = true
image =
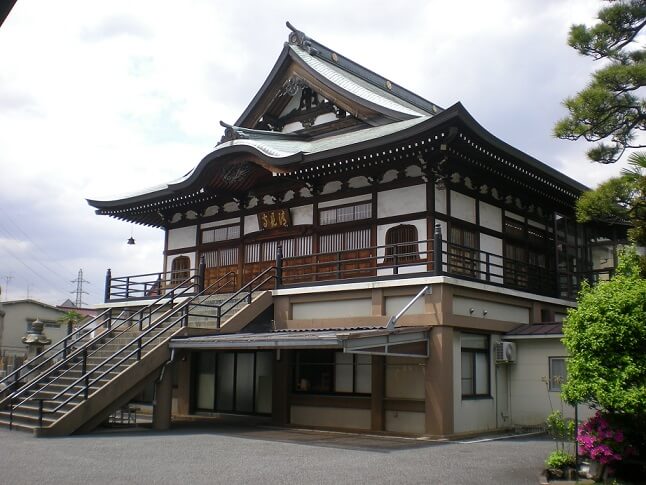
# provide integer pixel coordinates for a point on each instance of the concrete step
(28, 418)
(18, 426)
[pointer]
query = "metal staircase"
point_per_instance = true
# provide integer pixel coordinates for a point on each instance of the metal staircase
(78, 382)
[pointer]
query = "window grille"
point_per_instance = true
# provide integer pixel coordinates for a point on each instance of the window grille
(344, 241)
(180, 270)
(221, 257)
(266, 250)
(349, 213)
(221, 234)
(396, 241)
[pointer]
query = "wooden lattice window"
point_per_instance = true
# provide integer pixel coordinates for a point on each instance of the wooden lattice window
(180, 270)
(401, 241)
(463, 253)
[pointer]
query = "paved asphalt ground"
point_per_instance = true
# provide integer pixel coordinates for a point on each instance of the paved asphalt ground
(231, 454)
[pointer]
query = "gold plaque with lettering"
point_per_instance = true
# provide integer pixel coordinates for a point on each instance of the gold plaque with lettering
(274, 219)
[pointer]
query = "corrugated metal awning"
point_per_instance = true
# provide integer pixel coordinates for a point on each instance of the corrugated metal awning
(408, 341)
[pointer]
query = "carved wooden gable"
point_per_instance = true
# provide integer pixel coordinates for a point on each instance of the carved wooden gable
(299, 107)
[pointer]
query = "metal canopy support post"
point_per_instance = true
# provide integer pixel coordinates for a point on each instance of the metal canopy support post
(409, 344)
(393, 319)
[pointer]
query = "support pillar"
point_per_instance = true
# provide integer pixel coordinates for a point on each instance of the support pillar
(439, 382)
(280, 388)
(162, 406)
(184, 380)
(378, 420)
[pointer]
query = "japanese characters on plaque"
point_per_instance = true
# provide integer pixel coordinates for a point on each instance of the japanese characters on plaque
(274, 219)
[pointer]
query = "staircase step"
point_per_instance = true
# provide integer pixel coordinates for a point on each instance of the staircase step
(23, 417)
(17, 426)
(100, 356)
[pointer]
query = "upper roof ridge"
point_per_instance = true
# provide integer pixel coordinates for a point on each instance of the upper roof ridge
(233, 132)
(316, 49)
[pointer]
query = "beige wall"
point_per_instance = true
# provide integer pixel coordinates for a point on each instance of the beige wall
(330, 417)
(471, 415)
(530, 399)
(17, 316)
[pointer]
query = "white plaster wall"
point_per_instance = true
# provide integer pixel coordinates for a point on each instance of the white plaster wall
(182, 237)
(302, 215)
(420, 224)
(492, 245)
(530, 399)
(405, 422)
(463, 207)
(400, 201)
(471, 415)
(224, 222)
(347, 200)
(251, 224)
(330, 417)
(357, 307)
(513, 215)
(490, 217)
(494, 310)
(440, 200)
(539, 225)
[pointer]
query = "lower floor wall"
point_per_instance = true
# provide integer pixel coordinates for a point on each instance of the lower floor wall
(408, 422)
(328, 417)
(458, 389)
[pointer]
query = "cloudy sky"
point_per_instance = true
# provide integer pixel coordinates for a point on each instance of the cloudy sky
(98, 99)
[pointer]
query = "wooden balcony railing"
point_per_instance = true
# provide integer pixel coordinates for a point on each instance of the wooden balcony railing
(431, 257)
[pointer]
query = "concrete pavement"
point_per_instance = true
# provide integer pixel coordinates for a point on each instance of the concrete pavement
(196, 453)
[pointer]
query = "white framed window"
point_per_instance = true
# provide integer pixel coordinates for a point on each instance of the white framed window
(475, 365)
(558, 373)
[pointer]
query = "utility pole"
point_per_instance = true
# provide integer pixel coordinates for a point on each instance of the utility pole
(79, 289)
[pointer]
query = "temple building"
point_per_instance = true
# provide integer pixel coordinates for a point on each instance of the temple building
(353, 256)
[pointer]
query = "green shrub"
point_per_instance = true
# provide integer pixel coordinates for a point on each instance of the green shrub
(560, 429)
(560, 459)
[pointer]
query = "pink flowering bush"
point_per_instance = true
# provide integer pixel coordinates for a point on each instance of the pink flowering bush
(602, 442)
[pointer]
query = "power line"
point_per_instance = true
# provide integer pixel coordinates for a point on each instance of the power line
(26, 236)
(40, 276)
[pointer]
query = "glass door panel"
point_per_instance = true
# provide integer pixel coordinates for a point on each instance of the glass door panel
(244, 382)
(264, 371)
(225, 380)
(205, 380)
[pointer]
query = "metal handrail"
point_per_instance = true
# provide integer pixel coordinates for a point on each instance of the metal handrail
(140, 345)
(170, 296)
(102, 345)
(120, 287)
(248, 287)
(140, 313)
(16, 373)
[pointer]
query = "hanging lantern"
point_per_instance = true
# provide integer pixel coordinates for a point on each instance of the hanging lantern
(131, 239)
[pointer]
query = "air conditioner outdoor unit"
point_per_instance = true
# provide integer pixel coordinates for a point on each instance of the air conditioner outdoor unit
(505, 352)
